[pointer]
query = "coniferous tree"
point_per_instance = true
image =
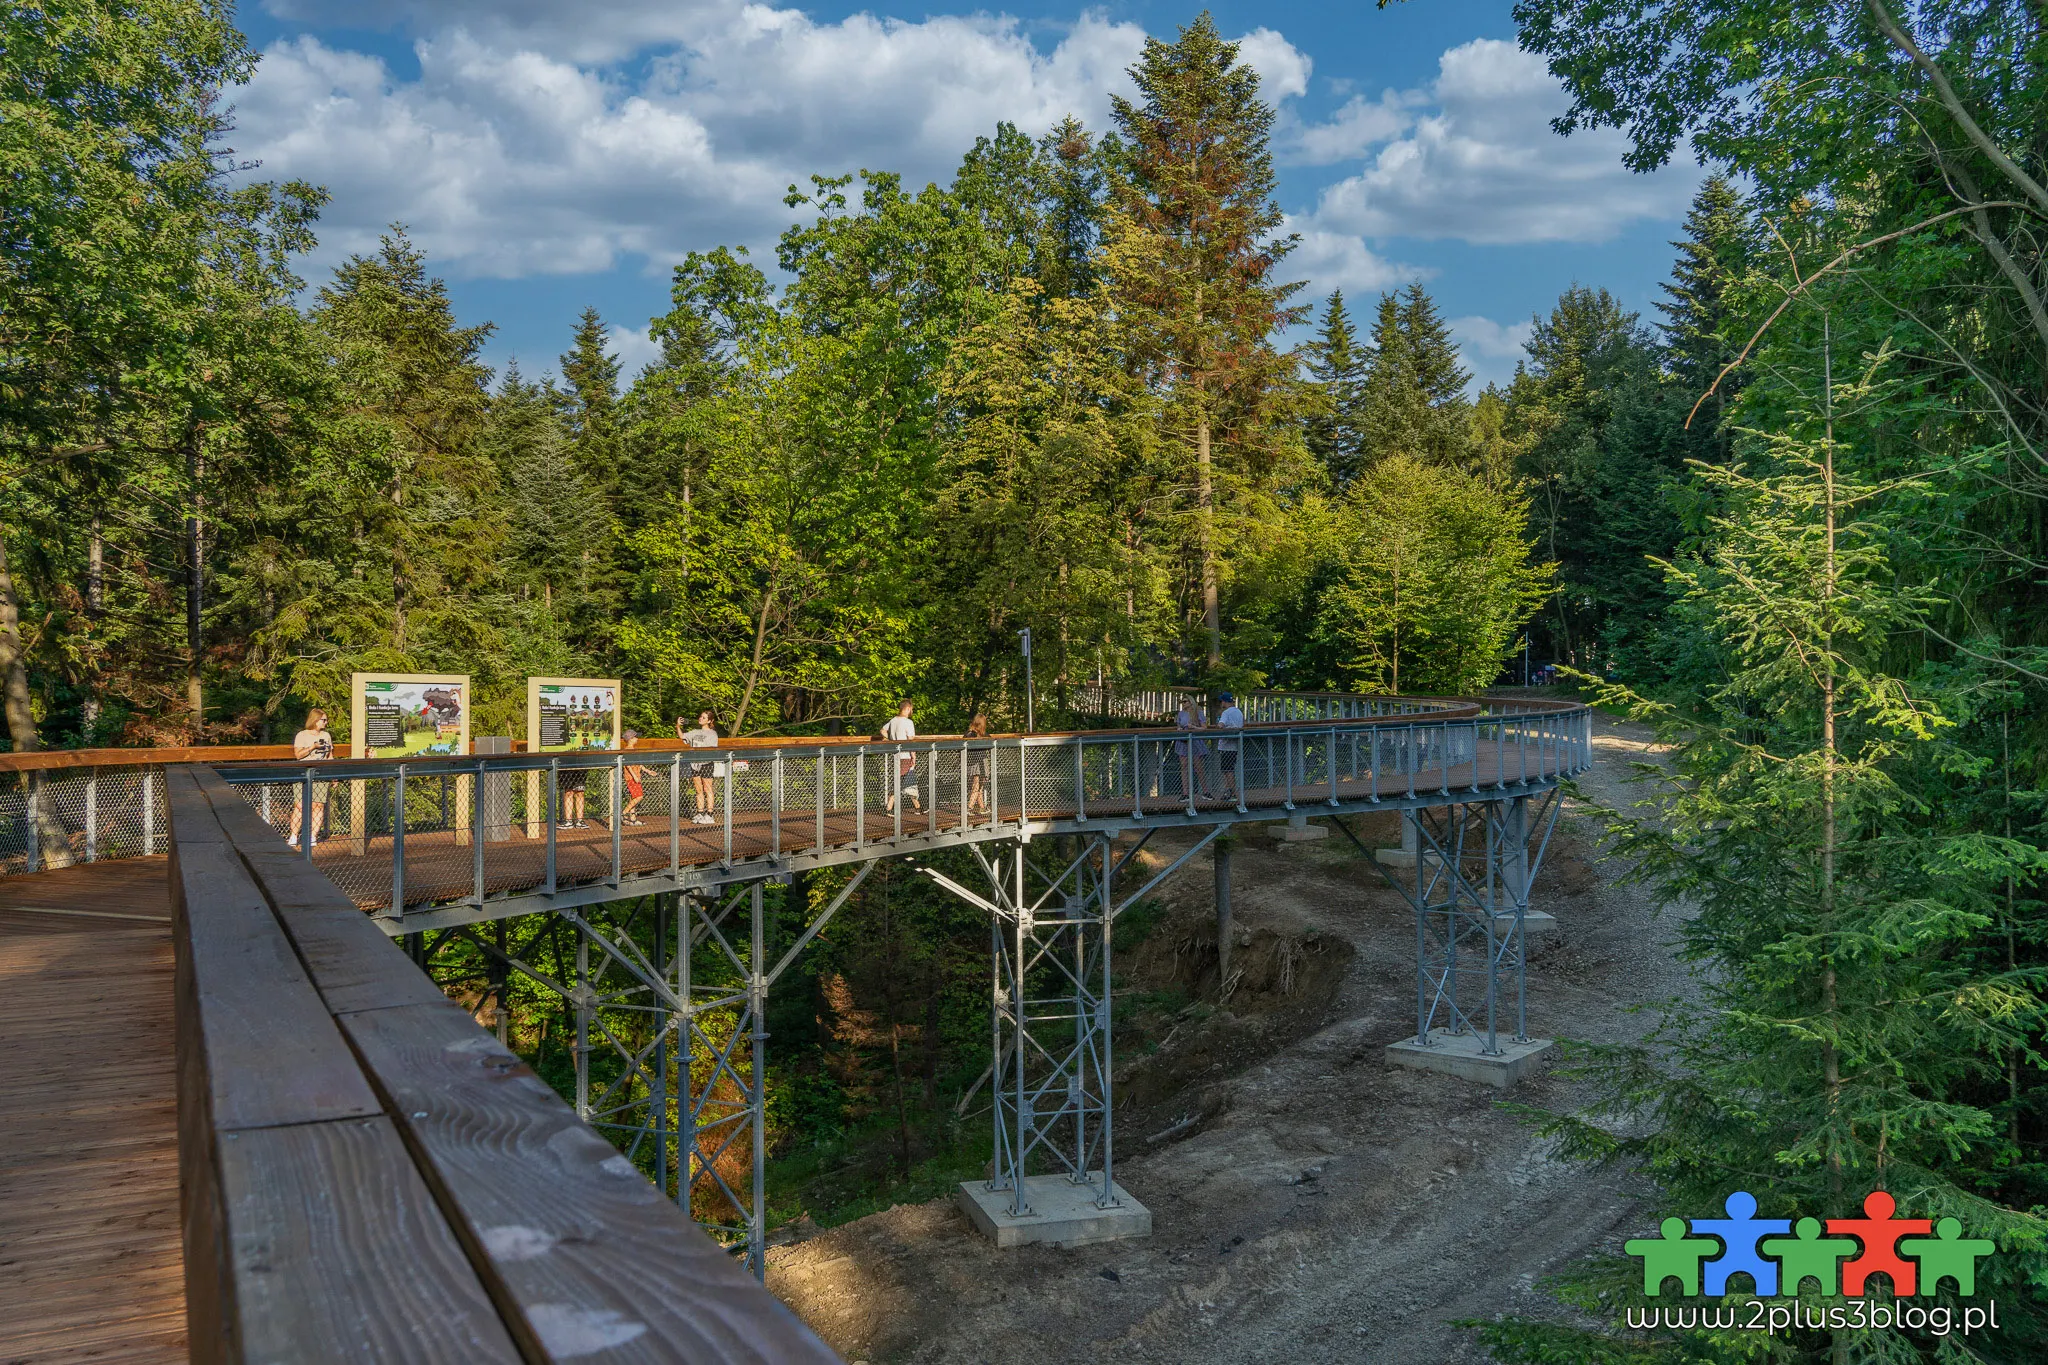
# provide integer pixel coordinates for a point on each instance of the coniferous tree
(1562, 400)
(592, 375)
(1076, 198)
(1414, 391)
(560, 533)
(1335, 428)
(416, 526)
(1697, 308)
(1193, 257)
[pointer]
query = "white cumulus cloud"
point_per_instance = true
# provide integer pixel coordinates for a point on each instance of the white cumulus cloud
(1473, 158)
(507, 156)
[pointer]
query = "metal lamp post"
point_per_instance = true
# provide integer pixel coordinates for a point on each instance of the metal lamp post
(1030, 723)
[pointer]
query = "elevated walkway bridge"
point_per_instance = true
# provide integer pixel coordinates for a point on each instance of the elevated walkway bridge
(359, 1156)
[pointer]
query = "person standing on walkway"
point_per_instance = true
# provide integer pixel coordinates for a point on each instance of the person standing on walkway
(1231, 719)
(977, 765)
(902, 730)
(636, 784)
(312, 744)
(703, 776)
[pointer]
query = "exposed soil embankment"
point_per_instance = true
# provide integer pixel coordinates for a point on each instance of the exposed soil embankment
(1322, 1204)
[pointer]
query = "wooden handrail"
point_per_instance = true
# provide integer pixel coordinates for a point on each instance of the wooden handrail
(369, 1175)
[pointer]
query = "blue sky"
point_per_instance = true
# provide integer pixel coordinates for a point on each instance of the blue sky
(552, 155)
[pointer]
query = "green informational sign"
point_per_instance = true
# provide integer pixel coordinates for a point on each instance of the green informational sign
(409, 716)
(572, 715)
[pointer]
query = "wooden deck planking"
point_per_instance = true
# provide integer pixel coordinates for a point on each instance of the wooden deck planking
(90, 1265)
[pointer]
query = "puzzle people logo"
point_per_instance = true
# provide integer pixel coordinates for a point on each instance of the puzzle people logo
(1781, 1259)
(1742, 1243)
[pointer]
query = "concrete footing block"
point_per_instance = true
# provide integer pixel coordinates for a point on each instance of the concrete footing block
(1460, 1055)
(1062, 1213)
(1298, 830)
(1539, 928)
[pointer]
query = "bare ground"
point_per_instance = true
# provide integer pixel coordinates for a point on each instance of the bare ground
(1328, 1206)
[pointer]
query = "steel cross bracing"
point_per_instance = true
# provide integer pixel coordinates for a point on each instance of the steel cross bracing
(678, 1034)
(1475, 862)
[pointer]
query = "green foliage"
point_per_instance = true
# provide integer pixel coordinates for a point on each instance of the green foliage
(1192, 249)
(1335, 429)
(1413, 399)
(1435, 580)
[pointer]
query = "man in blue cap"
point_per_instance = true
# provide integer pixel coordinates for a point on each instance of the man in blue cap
(1231, 719)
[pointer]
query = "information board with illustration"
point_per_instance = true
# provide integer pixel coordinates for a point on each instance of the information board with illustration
(572, 715)
(408, 715)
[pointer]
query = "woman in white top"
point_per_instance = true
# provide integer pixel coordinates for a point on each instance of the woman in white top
(703, 776)
(312, 744)
(901, 729)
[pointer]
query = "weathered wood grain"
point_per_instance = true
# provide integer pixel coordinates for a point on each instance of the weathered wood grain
(308, 1231)
(260, 1037)
(582, 1245)
(580, 1255)
(337, 1252)
(350, 961)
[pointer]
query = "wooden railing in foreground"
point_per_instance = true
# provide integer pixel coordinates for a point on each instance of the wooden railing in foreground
(367, 1175)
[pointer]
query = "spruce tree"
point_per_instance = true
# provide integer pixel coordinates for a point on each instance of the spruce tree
(1712, 257)
(1194, 257)
(559, 547)
(413, 385)
(1335, 428)
(592, 374)
(1414, 391)
(1843, 1036)
(1076, 196)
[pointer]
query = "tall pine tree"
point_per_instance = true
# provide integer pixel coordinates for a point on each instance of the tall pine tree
(1193, 250)
(1414, 391)
(592, 375)
(1712, 258)
(1336, 427)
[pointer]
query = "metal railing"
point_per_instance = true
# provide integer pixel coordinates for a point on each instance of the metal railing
(1161, 704)
(471, 831)
(768, 803)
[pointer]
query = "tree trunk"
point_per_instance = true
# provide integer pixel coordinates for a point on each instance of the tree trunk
(195, 581)
(51, 836)
(95, 602)
(21, 722)
(1205, 498)
(398, 584)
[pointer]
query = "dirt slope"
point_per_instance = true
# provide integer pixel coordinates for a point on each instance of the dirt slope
(1332, 1207)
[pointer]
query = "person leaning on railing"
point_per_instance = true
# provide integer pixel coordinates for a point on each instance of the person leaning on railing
(1226, 749)
(309, 744)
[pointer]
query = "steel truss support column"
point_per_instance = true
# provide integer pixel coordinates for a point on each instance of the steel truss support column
(1475, 862)
(1050, 921)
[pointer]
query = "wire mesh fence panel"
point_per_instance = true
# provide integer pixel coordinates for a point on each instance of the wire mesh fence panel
(58, 818)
